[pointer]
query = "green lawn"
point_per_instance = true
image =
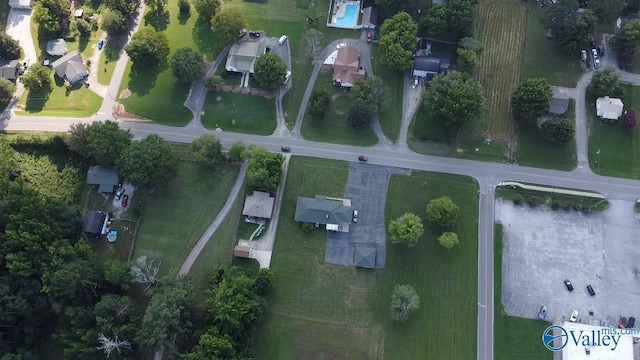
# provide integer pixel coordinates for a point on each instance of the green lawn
(428, 127)
(80, 102)
(334, 128)
(537, 151)
(344, 312)
(175, 217)
(619, 148)
(251, 114)
(542, 57)
(111, 52)
(514, 337)
(545, 197)
(391, 115)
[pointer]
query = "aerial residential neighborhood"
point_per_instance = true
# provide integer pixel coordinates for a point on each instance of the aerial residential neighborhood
(331, 179)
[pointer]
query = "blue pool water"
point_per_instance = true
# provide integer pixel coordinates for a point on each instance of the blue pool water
(350, 16)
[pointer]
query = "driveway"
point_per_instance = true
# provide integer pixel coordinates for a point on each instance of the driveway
(543, 247)
(367, 189)
(19, 29)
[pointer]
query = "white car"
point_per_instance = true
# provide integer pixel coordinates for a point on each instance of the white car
(596, 63)
(282, 39)
(574, 316)
(341, 45)
(287, 77)
(355, 216)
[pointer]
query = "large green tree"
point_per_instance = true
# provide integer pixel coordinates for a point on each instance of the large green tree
(372, 91)
(531, 100)
(406, 229)
(560, 130)
(206, 8)
(448, 240)
(148, 163)
(148, 47)
(264, 170)
(187, 64)
(7, 88)
(51, 15)
(394, 6)
(125, 7)
(79, 138)
(106, 141)
(213, 345)
(9, 47)
(442, 212)
(452, 19)
(227, 24)
(113, 22)
(467, 61)
(436, 23)
(38, 79)
(456, 97)
(359, 113)
(207, 150)
(605, 83)
(571, 29)
(607, 11)
(319, 104)
(404, 302)
(270, 70)
(398, 36)
(157, 6)
(627, 42)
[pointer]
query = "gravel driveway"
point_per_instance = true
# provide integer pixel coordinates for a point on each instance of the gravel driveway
(19, 29)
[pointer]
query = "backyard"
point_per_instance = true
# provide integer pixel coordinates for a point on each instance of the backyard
(174, 218)
(614, 150)
(251, 114)
(391, 115)
(334, 127)
(344, 312)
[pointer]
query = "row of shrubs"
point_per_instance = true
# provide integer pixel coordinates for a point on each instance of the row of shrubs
(554, 204)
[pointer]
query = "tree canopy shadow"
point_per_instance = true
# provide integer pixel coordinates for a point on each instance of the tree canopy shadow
(83, 41)
(36, 100)
(158, 19)
(142, 80)
(206, 40)
(183, 17)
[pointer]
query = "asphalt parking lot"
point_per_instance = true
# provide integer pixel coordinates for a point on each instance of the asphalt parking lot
(367, 189)
(543, 247)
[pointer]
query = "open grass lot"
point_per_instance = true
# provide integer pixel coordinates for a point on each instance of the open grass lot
(537, 151)
(155, 93)
(80, 102)
(391, 116)
(251, 114)
(428, 127)
(334, 128)
(175, 217)
(514, 337)
(619, 148)
(344, 312)
(541, 55)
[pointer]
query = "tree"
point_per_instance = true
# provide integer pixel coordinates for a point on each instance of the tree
(144, 272)
(108, 345)
(207, 150)
(404, 302)
(156, 6)
(270, 70)
(570, 28)
(213, 345)
(406, 229)
(85, 27)
(605, 83)
(456, 98)
(460, 17)
(627, 41)
(184, 6)
(107, 141)
(7, 88)
(318, 104)
(531, 100)
(228, 23)
(187, 64)
(630, 119)
(393, 6)
(117, 273)
(359, 113)
(264, 170)
(472, 44)
(436, 22)
(125, 7)
(442, 212)
(314, 39)
(372, 91)
(398, 36)
(51, 16)
(206, 8)
(148, 47)
(467, 61)
(236, 151)
(448, 240)
(113, 22)
(560, 130)
(79, 138)
(9, 47)
(148, 163)
(38, 79)
(607, 11)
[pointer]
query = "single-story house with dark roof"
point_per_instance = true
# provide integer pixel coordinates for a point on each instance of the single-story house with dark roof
(322, 210)
(364, 257)
(106, 178)
(56, 47)
(242, 56)
(370, 17)
(70, 68)
(10, 69)
(95, 224)
(258, 207)
(427, 66)
(559, 103)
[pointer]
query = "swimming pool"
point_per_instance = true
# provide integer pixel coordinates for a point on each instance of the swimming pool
(350, 17)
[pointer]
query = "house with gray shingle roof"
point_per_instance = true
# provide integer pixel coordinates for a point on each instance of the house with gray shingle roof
(322, 210)
(70, 68)
(104, 177)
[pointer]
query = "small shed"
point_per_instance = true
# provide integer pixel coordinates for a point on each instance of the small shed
(56, 47)
(95, 224)
(559, 103)
(78, 13)
(9, 69)
(104, 177)
(365, 257)
(242, 251)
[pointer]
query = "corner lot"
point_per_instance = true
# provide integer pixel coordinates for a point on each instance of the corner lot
(543, 247)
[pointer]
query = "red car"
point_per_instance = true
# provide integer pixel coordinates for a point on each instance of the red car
(369, 37)
(125, 201)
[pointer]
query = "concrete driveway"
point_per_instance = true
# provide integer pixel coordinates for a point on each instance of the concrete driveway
(367, 189)
(18, 28)
(543, 247)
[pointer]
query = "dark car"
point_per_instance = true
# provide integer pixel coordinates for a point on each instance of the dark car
(631, 323)
(286, 149)
(568, 284)
(369, 37)
(590, 290)
(100, 44)
(125, 201)
(363, 158)
(601, 50)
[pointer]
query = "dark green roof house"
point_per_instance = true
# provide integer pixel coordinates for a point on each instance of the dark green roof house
(104, 177)
(365, 257)
(323, 211)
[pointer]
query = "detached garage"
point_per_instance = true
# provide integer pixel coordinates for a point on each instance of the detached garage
(21, 4)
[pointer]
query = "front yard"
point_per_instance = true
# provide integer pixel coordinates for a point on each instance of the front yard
(243, 113)
(80, 102)
(391, 115)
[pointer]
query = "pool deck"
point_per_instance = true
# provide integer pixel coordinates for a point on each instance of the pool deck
(339, 10)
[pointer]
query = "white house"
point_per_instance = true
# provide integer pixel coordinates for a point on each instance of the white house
(609, 108)
(21, 4)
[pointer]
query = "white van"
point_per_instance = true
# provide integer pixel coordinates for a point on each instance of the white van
(282, 39)
(287, 77)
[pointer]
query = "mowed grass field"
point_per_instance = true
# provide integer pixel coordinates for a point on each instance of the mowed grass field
(619, 147)
(80, 102)
(323, 311)
(242, 113)
(176, 216)
(391, 115)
